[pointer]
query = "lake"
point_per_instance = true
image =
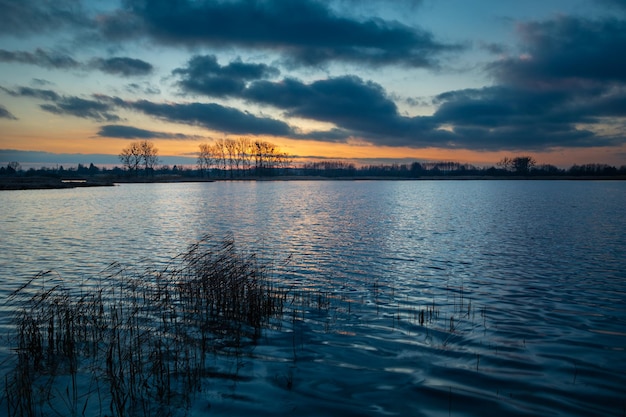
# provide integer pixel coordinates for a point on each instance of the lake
(527, 280)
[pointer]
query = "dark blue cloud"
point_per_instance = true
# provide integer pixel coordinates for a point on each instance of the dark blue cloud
(130, 132)
(124, 66)
(40, 57)
(567, 50)
(26, 17)
(204, 75)
(67, 105)
(83, 108)
(212, 116)
(306, 31)
(617, 3)
(348, 102)
(32, 92)
(5, 114)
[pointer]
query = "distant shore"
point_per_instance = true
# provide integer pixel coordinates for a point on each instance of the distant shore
(47, 183)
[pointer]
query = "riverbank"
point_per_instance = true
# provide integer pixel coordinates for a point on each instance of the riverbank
(46, 183)
(43, 183)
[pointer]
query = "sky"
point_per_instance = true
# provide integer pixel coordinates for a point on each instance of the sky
(365, 81)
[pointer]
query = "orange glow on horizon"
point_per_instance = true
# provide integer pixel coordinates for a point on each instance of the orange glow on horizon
(82, 139)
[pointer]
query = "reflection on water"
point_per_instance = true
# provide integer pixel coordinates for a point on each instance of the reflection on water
(446, 298)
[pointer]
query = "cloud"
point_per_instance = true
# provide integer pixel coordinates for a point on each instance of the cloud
(123, 66)
(130, 132)
(616, 3)
(127, 67)
(33, 92)
(34, 16)
(565, 52)
(67, 105)
(567, 76)
(83, 108)
(143, 88)
(39, 57)
(559, 91)
(307, 31)
(500, 117)
(334, 135)
(5, 114)
(348, 101)
(211, 116)
(204, 75)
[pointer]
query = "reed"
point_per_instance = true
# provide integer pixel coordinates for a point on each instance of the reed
(136, 343)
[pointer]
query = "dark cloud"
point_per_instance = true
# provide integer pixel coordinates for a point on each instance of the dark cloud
(568, 74)
(24, 17)
(130, 132)
(565, 51)
(333, 135)
(348, 102)
(127, 67)
(83, 108)
(33, 92)
(210, 115)
(123, 66)
(493, 118)
(70, 105)
(307, 31)
(143, 88)
(46, 59)
(495, 48)
(617, 3)
(204, 75)
(5, 114)
(567, 80)
(40, 82)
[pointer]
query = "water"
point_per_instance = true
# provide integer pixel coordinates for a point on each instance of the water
(527, 278)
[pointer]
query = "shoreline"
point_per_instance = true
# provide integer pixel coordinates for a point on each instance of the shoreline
(49, 183)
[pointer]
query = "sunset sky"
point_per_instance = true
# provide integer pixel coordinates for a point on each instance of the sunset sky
(369, 81)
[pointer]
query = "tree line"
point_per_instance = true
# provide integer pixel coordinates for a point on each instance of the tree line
(244, 158)
(241, 157)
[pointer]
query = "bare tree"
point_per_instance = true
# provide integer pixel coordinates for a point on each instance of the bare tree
(523, 164)
(149, 155)
(13, 166)
(230, 149)
(244, 152)
(219, 150)
(139, 153)
(131, 157)
(205, 158)
(505, 163)
(238, 155)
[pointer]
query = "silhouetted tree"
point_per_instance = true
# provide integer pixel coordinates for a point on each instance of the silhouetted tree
(205, 158)
(149, 155)
(523, 164)
(518, 165)
(139, 153)
(13, 167)
(505, 163)
(131, 157)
